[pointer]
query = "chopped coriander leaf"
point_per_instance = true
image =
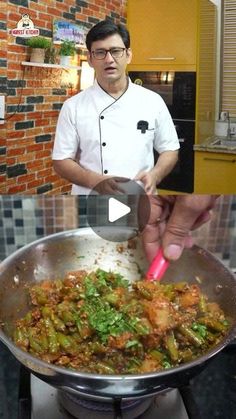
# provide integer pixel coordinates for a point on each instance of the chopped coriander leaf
(105, 319)
(90, 288)
(166, 364)
(200, 328)
(136, 324)
(120, 281)
(131, 343)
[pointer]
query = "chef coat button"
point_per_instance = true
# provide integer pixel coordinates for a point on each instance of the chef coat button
(105, 172)
(103, 144)
(102, 117)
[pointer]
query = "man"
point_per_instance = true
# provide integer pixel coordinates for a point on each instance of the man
(108, 131)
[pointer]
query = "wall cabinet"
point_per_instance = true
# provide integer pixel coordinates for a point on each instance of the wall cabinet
(163, 33)
(215, 173)
(180, 35)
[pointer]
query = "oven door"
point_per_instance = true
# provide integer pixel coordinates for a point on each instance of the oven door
(181, 179)
(177, 89)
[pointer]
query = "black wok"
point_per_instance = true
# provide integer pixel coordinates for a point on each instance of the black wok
(53, 256)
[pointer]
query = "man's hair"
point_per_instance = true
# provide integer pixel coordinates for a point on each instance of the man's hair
(104, 29)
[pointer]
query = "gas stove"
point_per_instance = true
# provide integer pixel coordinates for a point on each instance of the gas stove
(61, 406)
(38, 400)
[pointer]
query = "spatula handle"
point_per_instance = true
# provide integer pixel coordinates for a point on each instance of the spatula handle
(157, 267)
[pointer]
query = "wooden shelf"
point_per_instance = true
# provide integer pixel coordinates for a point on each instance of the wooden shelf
(46, 65)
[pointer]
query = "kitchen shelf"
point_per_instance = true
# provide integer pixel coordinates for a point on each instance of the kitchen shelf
(45, 65)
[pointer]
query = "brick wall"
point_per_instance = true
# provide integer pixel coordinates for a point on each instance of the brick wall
(35, 95)
(3, 90)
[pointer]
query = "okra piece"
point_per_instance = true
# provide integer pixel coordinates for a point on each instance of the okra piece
(111, 298)
(67, 317)
(58, 284)
(211, 337)
(33, 340)
(66, 342)
(142, 329)
(192, 336)
(21, 337)
(77, 338)
(186, 355)
(172, 346)
(28, 318)
(157, 354)
(202, 304)
(145, 293)
(213, 324)
(52, 336)
(41, 296)
(169, 291)
(180, 286)
(104, 368)
(43, 342)
(97, 348)
(78, 323)
(46, 312)
(84, 330)
(58, 323)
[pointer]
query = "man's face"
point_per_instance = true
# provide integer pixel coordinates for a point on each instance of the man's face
(109, 69)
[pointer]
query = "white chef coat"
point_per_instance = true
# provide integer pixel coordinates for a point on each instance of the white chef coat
(101, 132)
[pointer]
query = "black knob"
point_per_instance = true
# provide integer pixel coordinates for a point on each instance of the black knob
(105, 172)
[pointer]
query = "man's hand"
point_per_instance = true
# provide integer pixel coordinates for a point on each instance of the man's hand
(149, 180)
(110, 186)
(165, 164)
(171, 221)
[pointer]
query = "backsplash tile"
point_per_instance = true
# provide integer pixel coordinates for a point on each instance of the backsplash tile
(26, 219)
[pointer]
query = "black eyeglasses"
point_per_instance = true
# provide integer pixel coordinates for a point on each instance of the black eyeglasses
(100, 54)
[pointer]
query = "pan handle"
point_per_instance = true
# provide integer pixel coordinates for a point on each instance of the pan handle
(117, 408)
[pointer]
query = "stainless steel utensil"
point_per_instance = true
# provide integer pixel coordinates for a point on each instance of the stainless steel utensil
(53, 256)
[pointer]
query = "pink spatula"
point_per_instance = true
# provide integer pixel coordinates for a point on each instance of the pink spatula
(157, 267)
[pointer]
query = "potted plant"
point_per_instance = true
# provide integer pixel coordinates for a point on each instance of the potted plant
(67, 50)
(38, 46)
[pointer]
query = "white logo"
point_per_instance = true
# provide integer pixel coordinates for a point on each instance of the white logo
(25, 28)
(116, 210)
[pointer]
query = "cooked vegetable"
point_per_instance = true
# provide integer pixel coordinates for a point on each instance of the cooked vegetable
(95, 322)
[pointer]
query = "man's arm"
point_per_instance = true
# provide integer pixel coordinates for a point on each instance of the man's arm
(74, 173)
(66, 145)
(164, 165)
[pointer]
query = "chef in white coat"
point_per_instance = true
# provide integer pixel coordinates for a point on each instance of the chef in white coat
(109, 130)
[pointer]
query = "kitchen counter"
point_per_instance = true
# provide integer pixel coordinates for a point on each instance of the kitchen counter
(215, 166)
(217, 144)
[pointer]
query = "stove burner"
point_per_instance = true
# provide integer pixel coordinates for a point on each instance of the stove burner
(38, 400)
(81, 408)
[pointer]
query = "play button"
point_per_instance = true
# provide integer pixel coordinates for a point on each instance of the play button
(121, 213)
(116, 210)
